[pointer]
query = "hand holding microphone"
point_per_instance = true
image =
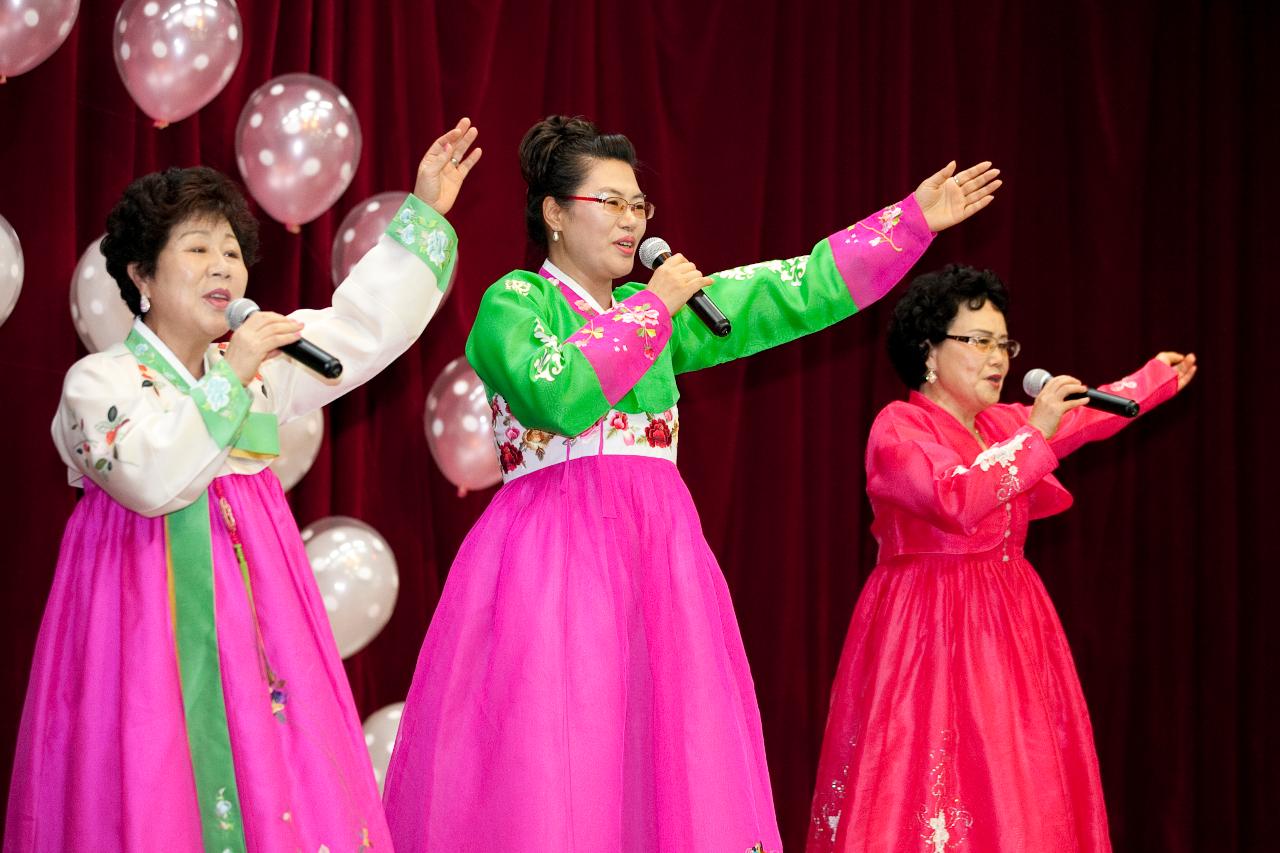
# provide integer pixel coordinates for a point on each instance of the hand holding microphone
(677, 281)
(259, 334)
(1056, 395)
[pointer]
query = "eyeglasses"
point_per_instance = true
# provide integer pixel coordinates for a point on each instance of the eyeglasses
(985, 344)
(616, 205)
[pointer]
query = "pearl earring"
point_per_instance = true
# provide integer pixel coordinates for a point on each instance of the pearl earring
(931, 377)
(555, 236)
(144, 304)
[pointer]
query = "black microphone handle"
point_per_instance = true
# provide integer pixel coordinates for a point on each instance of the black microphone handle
(1110, 403)
(311, 356)
(707, 311)
(702, 306)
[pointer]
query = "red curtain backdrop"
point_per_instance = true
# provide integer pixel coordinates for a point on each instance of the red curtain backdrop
(1138, 144)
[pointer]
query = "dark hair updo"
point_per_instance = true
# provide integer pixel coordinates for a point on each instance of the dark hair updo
(138, 226)
(555, 156)
(924, 312)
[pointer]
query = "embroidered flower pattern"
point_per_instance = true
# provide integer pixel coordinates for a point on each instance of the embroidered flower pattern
(550, 363)
(944, 817)
(584, 308)
(881, 227)
(510, 457)
(279, 698)
(520, 287)
(587, 334)
(222, 808)
(148, 378)
(827, 821)
(536, 440)
(789, 271)
(217, 391)
(517, 445)
(105, 448)
(436, 247)
(422, 235)
(1126, 384)
(1003, 454)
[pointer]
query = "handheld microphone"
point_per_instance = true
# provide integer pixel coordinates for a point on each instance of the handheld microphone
(653, 252)
(302, 350)
(1100, 400)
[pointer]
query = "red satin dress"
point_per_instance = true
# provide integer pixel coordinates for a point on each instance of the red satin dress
(957, 721)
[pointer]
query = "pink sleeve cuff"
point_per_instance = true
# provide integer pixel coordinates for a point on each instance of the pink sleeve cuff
(873, 255)
(624, 342)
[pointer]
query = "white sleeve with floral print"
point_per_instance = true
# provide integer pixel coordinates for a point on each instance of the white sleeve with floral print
(377, 313)
(151, 449)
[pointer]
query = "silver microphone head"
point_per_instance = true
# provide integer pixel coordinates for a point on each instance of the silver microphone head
(1035, 380)
(651, 248)
(239, 311)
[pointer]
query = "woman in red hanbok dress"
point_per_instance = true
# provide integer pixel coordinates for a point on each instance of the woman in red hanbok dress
(957, 720)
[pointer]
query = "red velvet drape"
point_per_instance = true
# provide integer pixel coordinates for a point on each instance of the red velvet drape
(1137, 141)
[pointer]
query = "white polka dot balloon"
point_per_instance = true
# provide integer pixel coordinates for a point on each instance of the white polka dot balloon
(459, 428)
(98, 311)
(360, 230)
(299, 443)
(357, 578)
(31, 30)
(11, 269)
(176, 56)
(297, 145)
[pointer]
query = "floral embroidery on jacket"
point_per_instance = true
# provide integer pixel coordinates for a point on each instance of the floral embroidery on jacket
(550, 363)
(105, 448)
(789, 271)
(520, 287)
(1003, 454)
(887, 221)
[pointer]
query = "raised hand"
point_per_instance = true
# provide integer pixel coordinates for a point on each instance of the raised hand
(1185, 365)
(947, 197)
(445, 166)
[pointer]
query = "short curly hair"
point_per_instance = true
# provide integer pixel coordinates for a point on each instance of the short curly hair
(924, 312)
(138, 226)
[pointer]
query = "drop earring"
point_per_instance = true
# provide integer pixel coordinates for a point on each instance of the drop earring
(144, 303)
(931, 377)
(555, 236)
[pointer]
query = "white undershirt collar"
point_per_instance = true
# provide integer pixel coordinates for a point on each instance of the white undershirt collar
(575, 287)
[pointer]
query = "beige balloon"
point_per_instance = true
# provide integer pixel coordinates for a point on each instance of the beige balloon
(380, 737)
(356, 575)
(300, 441)
(11, 269)
(98, 311)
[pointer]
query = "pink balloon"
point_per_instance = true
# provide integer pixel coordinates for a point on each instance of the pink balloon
(175, 56)
(360, 230)
(297, 145)
(459, 428)
(31, 30)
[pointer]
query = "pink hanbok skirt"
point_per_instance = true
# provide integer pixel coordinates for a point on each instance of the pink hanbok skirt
(583, 685)
(102, 758)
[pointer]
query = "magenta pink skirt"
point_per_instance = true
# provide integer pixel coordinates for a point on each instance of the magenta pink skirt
(583, 685)
(102, 758)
